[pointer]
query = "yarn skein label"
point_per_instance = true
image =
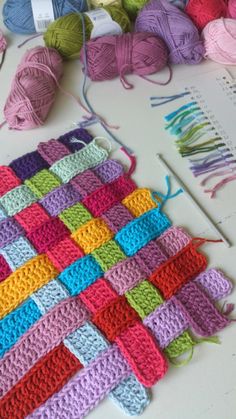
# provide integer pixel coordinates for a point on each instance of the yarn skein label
(103, 23)
(43, 14)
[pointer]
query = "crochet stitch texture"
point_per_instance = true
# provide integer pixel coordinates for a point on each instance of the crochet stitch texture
(98, 291)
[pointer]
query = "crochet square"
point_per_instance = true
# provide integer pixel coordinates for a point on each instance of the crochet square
(8, 180)
(42, 183)
(18, 252)
(32, 217)
(75, 216)
(108, 255)
(115, 317)
(97, 289)
(64, 253)
(92, 235)
(48, 234)
(28, 165)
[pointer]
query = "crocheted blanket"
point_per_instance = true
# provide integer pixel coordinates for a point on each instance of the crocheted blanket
(98, 292)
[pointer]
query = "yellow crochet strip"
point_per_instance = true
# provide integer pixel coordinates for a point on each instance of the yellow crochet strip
(139, 202)
(24, 281)
(92, 235)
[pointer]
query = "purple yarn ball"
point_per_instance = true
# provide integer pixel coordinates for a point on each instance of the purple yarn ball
(175, 28)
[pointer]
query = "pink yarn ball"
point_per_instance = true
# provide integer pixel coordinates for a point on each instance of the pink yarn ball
(219, 38)
(112, 56)
(232, 9)
(33, 88)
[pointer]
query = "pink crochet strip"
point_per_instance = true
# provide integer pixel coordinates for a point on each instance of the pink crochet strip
(52, 151)
(41, 338)
(142, 353)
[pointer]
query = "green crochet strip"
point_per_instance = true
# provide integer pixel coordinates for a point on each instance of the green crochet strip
(75, 216)
(108, 255)
(42, 183)
(17, 199)
(73, 164)
(144, 298)
(179, 346)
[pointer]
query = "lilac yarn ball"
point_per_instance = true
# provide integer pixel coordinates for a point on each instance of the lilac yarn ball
(175, 28)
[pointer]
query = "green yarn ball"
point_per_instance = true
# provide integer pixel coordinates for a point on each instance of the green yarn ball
(66, 33)
(132, 7)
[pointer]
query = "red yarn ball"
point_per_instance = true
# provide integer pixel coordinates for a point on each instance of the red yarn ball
(202, 12)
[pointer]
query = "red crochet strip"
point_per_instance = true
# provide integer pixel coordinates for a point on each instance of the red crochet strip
(46, 377)
(64, 253)
(32, 217)
(145, 358)
(98, 295)
(108, 195)
(113, 319)
(8, 180)
(178, 270)
(48, 235)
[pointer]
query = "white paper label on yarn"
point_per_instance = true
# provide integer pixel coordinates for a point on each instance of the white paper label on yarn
(103, 23)
(43, 14)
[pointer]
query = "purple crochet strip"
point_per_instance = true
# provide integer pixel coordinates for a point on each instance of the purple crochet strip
(173, 240)
(125, 275)
(108, 171)
(201, 314)
(28, 165)
(52, 151)
(214, 284)
(167, 322)
(9, 231)
(79, 134)
(59, 199)
(150, 257)
(86, 183)
(87, 388)
(117, 217)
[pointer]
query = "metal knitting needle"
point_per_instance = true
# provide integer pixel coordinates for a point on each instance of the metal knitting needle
(210, 223)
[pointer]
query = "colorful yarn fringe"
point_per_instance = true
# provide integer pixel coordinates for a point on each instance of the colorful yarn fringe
(98, 291)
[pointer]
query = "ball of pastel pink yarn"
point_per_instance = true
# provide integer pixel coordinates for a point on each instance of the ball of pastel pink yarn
(232, 9)
(33, 88)
(111, 56)
(219, 38)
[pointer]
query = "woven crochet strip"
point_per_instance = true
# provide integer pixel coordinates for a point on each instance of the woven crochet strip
(10, 230)
(28, 165)
(17, 199)
(85, 390)
(8, 180)
(2, 214)
(18, 253)
(43, 380)
(43, 336)
(5, 269)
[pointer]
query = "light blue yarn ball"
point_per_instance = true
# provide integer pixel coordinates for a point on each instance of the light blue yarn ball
(181, 4)
(18, 15)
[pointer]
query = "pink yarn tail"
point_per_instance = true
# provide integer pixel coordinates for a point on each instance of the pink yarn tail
(159, 82)
(132, 159)
(219, 185)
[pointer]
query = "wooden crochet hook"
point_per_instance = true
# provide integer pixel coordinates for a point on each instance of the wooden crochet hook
(210, 223)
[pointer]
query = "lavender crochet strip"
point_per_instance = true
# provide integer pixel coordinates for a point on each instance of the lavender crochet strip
(9, 231)
(85, 390)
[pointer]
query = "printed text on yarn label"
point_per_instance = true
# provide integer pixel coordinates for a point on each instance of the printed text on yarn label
(103, 23)
(43, 14)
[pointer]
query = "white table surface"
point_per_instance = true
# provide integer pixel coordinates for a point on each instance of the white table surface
(206, 387)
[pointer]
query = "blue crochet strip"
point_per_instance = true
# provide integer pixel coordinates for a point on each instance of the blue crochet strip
(82, 273)
(15, 324)
(86, 343)
(49, 295)
(142, 230)
(18, 253)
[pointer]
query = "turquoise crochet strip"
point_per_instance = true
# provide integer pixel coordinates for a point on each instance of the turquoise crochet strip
(142, 230)
(15, 324)
(86, 343)
(17, 199)
(73, 164)
(82, 273)
(18, 253)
